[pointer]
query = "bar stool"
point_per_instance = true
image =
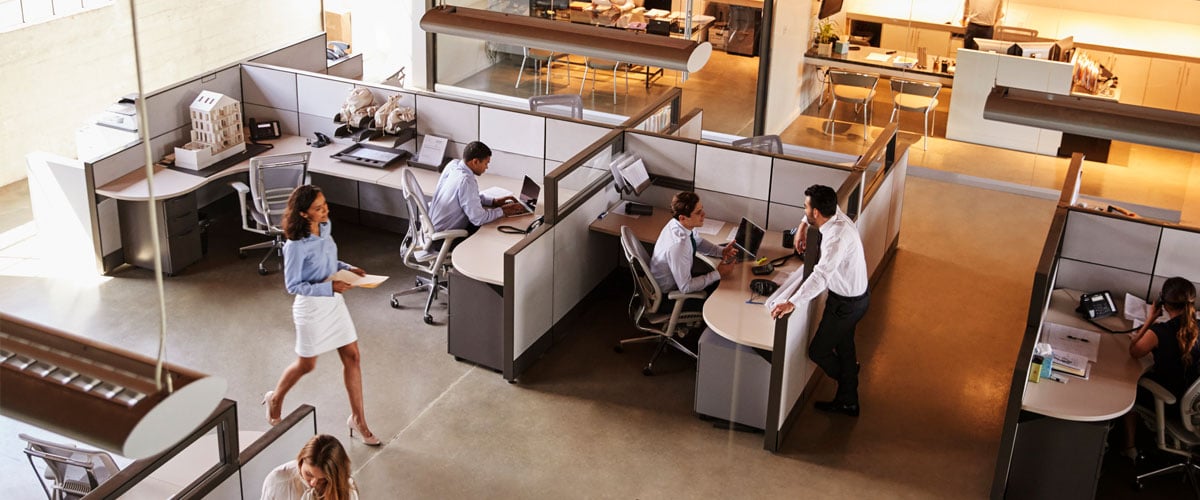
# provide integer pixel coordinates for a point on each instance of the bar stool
(603, 64)
(541, 57)
(854, 88)
(920, 97)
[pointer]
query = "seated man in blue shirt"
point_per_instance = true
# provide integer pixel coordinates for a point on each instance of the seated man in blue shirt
(457, 203)
(672, 262)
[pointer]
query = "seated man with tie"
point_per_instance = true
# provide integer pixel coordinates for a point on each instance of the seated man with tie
(672, 262)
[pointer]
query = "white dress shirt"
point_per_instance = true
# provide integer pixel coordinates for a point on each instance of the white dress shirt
(984, 12)
(457, 202)
(285, 483)
(671, 264)
(842, 268)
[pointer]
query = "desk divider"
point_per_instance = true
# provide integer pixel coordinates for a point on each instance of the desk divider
(305, 55)
(1091, 250)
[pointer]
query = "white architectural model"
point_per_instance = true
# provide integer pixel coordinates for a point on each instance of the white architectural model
(216, 131)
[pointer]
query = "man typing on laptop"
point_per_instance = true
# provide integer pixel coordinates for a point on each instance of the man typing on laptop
(672, 262)
(457, 203)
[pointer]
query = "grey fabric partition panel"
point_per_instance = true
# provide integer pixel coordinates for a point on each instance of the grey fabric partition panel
(740, 173)
(453, 120)
(664, 156)
(515, 132)
(1111, 242)
(305, 55)
(790, 178)
(168, 109)
(269, 87)
(1091, 277)
(1179, 254)
(730, 208)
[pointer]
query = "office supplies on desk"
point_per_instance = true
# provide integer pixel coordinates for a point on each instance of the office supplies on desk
(432, 153)
(1071, 364)
(763, 269)
(264, 130)
(1078, 341)
(878, 57)
(632, 208)
(748, 238)
(370, 155)
(1096, 305)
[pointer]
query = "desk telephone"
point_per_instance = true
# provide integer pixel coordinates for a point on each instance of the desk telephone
(1096, 305)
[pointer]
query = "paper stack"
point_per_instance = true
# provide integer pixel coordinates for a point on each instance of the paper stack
(1073, 348)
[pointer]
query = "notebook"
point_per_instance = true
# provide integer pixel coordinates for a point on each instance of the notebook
(749, 237)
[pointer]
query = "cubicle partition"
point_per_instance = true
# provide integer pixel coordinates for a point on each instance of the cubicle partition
(1086, 250)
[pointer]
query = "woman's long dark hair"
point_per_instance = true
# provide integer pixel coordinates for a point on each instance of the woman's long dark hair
(1179, 294)
(295, 225)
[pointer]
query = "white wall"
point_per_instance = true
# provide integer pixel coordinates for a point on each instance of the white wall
(60, 73)
(385, 32)
(790, 37)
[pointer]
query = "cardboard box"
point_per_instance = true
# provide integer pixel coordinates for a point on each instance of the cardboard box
(337, 26)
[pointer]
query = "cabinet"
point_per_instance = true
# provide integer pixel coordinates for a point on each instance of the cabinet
(1132, 72)
(1163, 82)
(178, 232)
(909, 39)
(1189, 92)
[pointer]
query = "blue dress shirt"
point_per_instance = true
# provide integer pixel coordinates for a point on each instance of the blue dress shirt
(309, 262)
(456, 201)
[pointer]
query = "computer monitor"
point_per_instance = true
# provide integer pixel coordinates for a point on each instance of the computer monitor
(1036, 50)
(989, 45)
(748, 238)
(829, 8)
(657, 4)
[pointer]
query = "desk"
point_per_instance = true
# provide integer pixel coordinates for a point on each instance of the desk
(857, 60)
(181, 247)
(1060, 438)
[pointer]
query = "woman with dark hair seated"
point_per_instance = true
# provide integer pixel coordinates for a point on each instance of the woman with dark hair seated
(1173, 344)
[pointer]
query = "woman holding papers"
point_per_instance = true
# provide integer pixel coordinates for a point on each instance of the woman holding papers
(319, 311)
(1173, 343)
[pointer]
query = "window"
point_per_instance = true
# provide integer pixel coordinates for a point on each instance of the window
(16, 14)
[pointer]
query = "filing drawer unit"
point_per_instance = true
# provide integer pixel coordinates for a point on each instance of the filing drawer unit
(475, 331)
(731, 381)
(178, 232)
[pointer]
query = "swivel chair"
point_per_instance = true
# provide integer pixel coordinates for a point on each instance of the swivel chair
(919, 97)
(761, 143)
(272, 180)
(663, 328)
(70, 472)
(541, 57)
(854, 88)
(1177, 434)
(422, 249)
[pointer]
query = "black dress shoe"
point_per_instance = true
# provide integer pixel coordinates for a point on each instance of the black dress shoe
(837, 407)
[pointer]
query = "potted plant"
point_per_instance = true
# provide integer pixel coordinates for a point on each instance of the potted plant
(825, 34)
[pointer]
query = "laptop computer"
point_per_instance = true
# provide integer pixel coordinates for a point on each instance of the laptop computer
(528, 198)
(747, 240)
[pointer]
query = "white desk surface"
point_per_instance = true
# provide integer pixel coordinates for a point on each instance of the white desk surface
(481, 256)
(171, 183)
(726, 310)
(1110, 389)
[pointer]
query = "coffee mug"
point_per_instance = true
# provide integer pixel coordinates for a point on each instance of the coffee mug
(789, 236)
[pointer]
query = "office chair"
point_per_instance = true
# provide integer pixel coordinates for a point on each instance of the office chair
(417, 247)
(595, 65)
(555, 104)
(854, 88)
(919, 97)
(1177, 434)
(71, 471)
(541, 57)
(662, 327)
(272, 180)
(761, 143)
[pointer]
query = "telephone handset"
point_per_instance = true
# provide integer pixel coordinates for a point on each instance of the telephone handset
(1096, 305)
(528, 229)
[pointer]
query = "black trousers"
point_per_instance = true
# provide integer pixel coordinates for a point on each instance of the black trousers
(832, 347)
(974, 31)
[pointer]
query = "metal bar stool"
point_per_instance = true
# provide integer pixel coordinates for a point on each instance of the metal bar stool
(919, 97)
(595, 65)
(854, 88)
(540, 57)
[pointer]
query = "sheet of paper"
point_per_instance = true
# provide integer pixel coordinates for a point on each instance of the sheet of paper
(368, 281)
(711, 226)
(878, 57)
(1070, 339)
(433, 149)
(1135, 309)
(496, 192)
(635, 174)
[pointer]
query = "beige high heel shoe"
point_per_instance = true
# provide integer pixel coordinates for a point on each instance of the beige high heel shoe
(266, 402)
(369, 440)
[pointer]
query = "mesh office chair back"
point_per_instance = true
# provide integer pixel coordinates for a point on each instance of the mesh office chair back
(272, 180)
(762, 143)
(420, 225)
(73, 471)
(639, 267)
(556, 104)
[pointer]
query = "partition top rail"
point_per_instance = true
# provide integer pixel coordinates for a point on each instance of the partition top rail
(275, 432)
(555, 209)
(885, 146)
(1070, 190)
(670, 97)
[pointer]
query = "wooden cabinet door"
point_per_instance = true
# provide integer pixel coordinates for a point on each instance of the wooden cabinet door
(1132, 72)
(936, 42)
(1189, 92)
(895, 37)
(1162, 83)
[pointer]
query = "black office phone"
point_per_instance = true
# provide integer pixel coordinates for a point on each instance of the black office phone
(1096, 305)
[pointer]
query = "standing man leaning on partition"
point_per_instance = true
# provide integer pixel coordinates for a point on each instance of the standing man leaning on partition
(843, 271)
(457, 203)
(980, 18)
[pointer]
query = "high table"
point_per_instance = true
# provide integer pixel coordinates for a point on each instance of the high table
(879, 60)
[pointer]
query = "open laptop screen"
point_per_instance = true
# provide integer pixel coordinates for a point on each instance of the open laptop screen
(749, 237)
(529, 192)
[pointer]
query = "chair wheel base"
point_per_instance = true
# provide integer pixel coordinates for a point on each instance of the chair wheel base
(428, 319)
(396, 304)
(647, 372)
(262, 271)
(1138, 486)
(241, 255)
(618, 349)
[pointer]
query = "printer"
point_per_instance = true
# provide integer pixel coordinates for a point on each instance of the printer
(122, 115)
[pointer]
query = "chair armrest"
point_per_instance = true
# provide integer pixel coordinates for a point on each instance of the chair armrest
(678, 295)
(240, 187)
(1160, 392)
(449, 234)
(243, 192)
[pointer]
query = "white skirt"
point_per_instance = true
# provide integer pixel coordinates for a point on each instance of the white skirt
(322, 324)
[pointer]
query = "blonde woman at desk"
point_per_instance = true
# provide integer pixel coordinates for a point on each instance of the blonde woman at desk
(1173, 344)
(322, 321)
(321, 471)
